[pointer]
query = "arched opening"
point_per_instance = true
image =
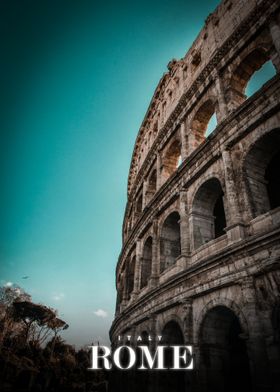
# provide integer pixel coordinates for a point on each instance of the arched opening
(172, 380)
(204, 122)
(146, 266)
(255, 69)
(211, 126)
(130, 277)
(272, 178)
(259, 78)
(261, 169)
(171, 159)
(208, 213)
(145, 338)
(172, 334)
(151, 186)
(170, 241)
(224, 363)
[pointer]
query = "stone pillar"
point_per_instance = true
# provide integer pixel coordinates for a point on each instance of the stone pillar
(235, 226)
(184, 147)
(144, 199)
(158, 167)
(153, 331)
(184, 229)
(187, 305)
(137, 272)
(188, 320)
(191, 142)
(124, 296)
(153, 376)
(222, 111)
(155, 255)
(255, 339)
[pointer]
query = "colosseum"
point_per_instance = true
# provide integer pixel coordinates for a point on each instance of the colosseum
(200, 258)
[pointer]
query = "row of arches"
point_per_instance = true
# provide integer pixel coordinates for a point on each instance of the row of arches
(209, 222)
(246, 79)
(225, 355)
(209, 212)
(220, 356)
(245, 76)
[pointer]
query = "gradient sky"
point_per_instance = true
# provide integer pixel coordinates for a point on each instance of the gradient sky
(77, 78)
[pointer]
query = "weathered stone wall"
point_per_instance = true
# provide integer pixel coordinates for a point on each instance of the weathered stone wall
(202, 225)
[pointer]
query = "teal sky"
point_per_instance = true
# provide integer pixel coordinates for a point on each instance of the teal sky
(77, 80)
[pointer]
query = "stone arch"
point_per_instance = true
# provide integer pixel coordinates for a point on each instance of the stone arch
(243, 72)
(200, 181)
(260, 172)
(201, 120)
(208, 212)
(222, 351)
(170, 240)
(146, 265)
(226, 302)
(171, 158)
(144, 327)
(164, 319)
(172, 333)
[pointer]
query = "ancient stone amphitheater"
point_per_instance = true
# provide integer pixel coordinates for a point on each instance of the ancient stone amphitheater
(201, 240)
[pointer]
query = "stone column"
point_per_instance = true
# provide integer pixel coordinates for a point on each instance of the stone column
(153, 332)
(188, 320)
(153, 376)
(137, 272)
(184, 147)
(184, 229)
(144, 199)
(158, 169)
(222, 111)
(255, 339)
(187, 305)
(235, 226)
(191, 142)
(125, 296)
(155, 255)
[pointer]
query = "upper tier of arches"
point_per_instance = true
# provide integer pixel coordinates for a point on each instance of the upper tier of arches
(212, 105)
(202, 69)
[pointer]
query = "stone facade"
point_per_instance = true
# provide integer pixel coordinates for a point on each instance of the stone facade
(201, 238)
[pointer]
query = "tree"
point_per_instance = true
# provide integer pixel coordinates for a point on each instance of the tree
(39, 320)
(8, 295)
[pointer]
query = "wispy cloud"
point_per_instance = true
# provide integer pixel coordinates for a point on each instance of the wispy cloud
(101, 313)
(58, 297)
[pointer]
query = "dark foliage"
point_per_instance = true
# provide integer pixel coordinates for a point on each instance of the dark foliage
(33, 357)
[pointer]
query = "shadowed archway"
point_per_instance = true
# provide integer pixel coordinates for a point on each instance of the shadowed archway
(223, 353)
